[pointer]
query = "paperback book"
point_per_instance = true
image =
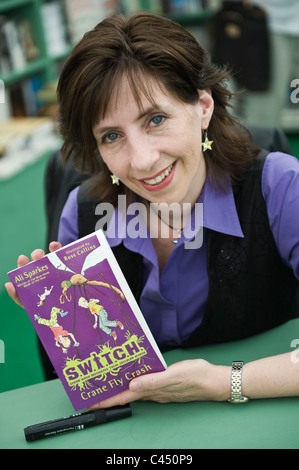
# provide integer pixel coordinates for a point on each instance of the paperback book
(87, 319)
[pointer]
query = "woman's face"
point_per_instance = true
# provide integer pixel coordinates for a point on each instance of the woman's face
(156, 150)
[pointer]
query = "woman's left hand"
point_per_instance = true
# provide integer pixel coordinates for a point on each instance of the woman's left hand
(191, 380)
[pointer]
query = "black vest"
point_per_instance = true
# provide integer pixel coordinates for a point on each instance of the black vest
(250, 289)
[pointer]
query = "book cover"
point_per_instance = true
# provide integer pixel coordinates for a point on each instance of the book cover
(87, 319)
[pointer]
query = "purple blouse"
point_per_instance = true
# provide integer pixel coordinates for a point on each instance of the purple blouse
(173, 301)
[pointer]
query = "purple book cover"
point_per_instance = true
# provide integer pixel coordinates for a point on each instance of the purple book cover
(87, 320)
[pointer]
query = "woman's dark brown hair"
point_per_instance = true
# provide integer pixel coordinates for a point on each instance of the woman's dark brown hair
(141, 47)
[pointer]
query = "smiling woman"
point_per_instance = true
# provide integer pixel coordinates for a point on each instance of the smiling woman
(139, 61)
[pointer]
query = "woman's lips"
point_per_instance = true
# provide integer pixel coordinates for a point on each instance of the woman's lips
(160, 180)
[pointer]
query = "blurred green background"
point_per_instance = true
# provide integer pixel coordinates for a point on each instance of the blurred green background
(23, 228)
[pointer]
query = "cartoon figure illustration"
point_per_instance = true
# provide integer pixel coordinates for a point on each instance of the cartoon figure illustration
(101, 316)
(43, 296)
(81, 285)
(78, 279)
(61, 336)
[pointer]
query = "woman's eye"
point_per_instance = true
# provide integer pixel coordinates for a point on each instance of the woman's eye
(111, 137)
(156, 120)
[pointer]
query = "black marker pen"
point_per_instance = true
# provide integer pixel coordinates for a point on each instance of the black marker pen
(76, 422)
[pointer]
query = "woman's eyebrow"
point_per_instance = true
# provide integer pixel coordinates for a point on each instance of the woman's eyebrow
(103, 130)
(148, 111)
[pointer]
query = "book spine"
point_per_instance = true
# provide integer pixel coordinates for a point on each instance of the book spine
(5, 106)
(16, 53)
(54, 28)
(5, 63)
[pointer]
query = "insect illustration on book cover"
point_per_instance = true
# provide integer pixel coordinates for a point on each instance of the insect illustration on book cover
(87, 320)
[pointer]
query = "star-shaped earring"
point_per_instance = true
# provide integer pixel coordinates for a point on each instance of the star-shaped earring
(115, 179)
(206, 144)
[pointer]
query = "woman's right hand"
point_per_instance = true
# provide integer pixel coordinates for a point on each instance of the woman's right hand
(22, 261)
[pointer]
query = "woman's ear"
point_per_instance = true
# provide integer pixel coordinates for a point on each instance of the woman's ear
(206, 103)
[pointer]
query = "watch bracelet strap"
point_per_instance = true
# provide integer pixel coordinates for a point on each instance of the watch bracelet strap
(236, 383)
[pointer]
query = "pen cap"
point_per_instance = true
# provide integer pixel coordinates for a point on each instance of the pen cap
(113, 413)
(28, 434)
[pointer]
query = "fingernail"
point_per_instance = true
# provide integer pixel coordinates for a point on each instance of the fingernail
(54, 244)
(136, 386)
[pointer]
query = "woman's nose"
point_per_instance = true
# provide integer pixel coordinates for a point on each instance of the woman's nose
(143, 155)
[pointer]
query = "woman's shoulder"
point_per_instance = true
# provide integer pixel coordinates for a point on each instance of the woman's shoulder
(279, 172)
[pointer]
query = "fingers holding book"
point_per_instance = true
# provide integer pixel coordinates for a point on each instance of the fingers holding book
(22, 261)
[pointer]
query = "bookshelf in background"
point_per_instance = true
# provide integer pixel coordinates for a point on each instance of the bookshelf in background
(36, 36)
(33, 45)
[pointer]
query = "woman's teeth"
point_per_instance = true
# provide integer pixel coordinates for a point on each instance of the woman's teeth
(161, 177)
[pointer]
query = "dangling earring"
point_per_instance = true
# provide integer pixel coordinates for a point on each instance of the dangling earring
(115, 179)
(206, 144)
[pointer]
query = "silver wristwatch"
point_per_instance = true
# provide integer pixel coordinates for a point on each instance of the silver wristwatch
(236, 383)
